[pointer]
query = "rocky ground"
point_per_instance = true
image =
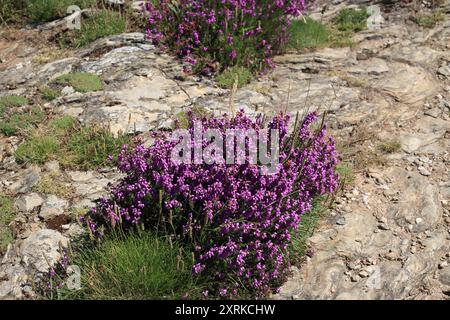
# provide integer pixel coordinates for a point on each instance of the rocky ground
(388, 236)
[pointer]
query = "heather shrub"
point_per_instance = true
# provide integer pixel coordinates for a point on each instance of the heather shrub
(236, 221)
(245, 33)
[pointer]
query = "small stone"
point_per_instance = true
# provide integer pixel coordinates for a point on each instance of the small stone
(340, 221)
(67, 91)
(53, 207)
(423, 171)
(443, 264)
(413, 250)
(383, 226)
(52, 166)
(28, 202)
(419, 220)
(434, 113)
(354, 278)
(363, 274)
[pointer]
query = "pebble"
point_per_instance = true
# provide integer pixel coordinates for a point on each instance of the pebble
(443, 264)
(423, 171)
(363, 274)
(340, 221)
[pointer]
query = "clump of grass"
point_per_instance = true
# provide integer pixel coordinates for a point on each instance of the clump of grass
(48, 93)
(351, 20)
(100, 24)
(50, 54)
(228, 77)
(390, 146)
(13, 101)
(52, 183)
(48, 10)
(429, 20)
(74, 146)
(14, 121)
(89, 147)
(346, 174)
(37, 149)
(7, 214)
(81, 81)
(135, 266)
(299, 244)
(11, 10)
(308, 34)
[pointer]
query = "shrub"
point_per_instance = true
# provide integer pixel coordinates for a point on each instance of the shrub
(81, 81)
(134, 266)
(236, 221)
(244, 33)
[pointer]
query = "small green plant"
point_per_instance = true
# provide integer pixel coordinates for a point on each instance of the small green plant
(352, 20)
(227, 78)
(81, 81)
(308, 34)
(101, 24)
(390, 146)
(429, 20)
(7, 214)
(48, 93)
(135, 266)
(14, 121)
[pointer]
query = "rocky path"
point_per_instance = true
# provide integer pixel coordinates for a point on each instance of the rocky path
(388, 235)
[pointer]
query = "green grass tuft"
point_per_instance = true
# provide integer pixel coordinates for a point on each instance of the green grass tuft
(48, 93)
(16, 120)
(429, 20)
(227, 78)
(37, 149)
(74, 146)
(390, 146)
(7, 214)
(101, 24)
(351, 20)
(135, 266)
(48, 10)
(308, 34)
(81, 81)
(89, 147)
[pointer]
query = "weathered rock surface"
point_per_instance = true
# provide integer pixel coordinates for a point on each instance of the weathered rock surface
(387, 238)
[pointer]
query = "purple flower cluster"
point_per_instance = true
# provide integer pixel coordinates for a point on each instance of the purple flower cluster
(237, 221)
(231, 32)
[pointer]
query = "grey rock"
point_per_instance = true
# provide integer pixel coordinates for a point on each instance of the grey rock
(42, 249)
(53, 207)
(28, 202)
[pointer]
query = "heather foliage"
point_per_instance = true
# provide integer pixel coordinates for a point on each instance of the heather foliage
(245, 33)
(237, 222)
